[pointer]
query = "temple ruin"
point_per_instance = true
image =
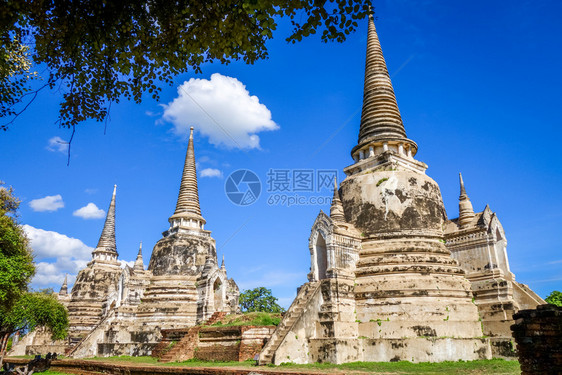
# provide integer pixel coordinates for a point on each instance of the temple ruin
(121, 311)
(391, 277)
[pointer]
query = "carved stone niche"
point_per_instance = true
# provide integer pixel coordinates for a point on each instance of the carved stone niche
(334, 248)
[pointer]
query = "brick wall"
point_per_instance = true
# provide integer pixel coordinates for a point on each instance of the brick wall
(538, 334)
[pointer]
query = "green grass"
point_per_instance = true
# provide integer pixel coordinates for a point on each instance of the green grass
(493, 366)
(250, 319)
(126, 358)
(154, 361)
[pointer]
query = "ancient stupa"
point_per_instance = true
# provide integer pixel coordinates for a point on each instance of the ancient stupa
(187, 284)
(383, 284)
(94, 283)
(122, 311)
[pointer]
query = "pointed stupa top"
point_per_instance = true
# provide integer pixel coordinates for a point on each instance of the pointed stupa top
(139, 265)
(336, 209)
(380, 118)
(64, 287)
(222, 264)
(466, 212)
(188, 199)
(107, 238)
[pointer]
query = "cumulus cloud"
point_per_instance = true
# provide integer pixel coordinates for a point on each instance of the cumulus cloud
(69, 254)
(222, 109)
(48, 203)
(210, 172)
(57, 255)
(89, 211)
(57, 144)
(49, 244)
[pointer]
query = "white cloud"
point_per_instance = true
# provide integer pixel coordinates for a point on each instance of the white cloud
(48, 203)
(57, 144)
(57, 255)
(89, 211)
(90, 191)
(210, 172)
(124, 263)
(49, 244)
(70, 256)
(52, 274)
(222, 109)
(151, 113)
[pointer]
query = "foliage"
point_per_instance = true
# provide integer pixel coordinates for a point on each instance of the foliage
(99, 52)
(250, 319)
(45, 290)
(16, 261)
(30, 311)
(38, 310)
(555, 298)
(15, 71)
(259, 299)
(19, 309)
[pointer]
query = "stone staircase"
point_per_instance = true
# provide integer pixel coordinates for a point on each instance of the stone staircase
(216, 317)
(294, 312)
(180, 344)
(183, 349)
(77, 344)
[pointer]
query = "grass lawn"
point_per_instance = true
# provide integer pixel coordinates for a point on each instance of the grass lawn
(494, 366)
(249, 319)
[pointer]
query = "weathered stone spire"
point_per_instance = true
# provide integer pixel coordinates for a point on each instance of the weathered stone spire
(381, 124)
(222, 263)
(188, 212)
(139, 264)
(64, 288)
(336, 209)
(466, 212)
(107, 238)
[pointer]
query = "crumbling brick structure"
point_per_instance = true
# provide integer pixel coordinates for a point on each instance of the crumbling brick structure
(538, 334)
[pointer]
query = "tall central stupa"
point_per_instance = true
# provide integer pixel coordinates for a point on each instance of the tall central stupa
(383, 285)
(406, 279)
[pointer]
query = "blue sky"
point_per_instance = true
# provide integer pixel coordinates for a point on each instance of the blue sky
(478, 85)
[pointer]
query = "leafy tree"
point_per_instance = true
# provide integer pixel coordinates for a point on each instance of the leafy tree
(19, 309)
(99, 52)
(555, 298)
(16, 261)
(259, 300)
